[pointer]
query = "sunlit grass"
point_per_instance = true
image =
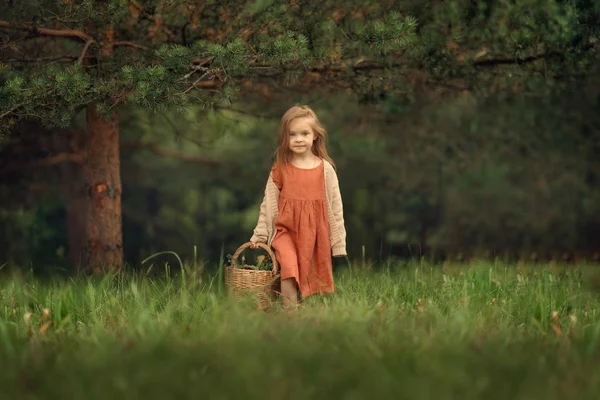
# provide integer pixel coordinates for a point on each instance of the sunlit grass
(409, 331)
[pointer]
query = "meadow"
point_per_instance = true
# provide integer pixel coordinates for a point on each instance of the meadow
(478, 330)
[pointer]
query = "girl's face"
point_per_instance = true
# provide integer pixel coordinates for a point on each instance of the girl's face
(301, 136)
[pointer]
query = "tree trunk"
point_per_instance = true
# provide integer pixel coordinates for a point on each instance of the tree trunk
(94, 198)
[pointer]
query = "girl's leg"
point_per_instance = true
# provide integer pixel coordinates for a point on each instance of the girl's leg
(289, 292)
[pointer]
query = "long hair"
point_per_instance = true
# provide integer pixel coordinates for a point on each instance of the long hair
(283, 155)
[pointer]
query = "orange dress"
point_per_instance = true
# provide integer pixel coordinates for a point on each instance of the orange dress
(302, 244)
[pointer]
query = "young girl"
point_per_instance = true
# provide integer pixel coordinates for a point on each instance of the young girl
(301, 215)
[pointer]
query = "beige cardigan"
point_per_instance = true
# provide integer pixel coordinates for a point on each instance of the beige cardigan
(265, 228)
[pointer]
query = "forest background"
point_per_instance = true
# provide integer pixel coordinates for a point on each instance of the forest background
(485, 144)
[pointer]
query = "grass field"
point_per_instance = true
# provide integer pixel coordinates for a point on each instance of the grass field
(477, 331)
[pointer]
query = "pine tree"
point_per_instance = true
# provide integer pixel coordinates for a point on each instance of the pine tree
(62, 57)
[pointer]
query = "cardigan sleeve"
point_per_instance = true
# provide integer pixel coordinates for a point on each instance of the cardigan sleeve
(260, 232)
(339, 248)
(276, 176)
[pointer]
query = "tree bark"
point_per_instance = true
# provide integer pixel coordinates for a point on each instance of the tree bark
(94, 220)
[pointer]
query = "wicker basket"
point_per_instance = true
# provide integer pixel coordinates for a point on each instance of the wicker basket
(265, 285)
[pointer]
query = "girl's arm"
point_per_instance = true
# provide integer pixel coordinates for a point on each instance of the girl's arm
(260, 231)
(339, 248)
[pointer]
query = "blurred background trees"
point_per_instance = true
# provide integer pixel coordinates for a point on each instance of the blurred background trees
(476, 135)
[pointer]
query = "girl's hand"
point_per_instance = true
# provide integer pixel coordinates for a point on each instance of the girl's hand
(253, 245)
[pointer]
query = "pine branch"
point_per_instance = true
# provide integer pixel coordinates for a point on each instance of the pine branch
(274, 117)
(42, 59)
(50, 161)
(195, 84)
(10, 111)
(504, 61)
(130, 44)
(156, 149)
(509, 60)
(85, 49)
(66, 57)
(60, 158)
(67, 33)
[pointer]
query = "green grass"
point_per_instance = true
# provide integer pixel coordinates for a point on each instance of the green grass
(477, 331)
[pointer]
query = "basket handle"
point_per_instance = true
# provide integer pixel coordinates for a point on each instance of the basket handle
(261, 245)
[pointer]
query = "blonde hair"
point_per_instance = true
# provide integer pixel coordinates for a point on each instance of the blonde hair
(283, 155)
